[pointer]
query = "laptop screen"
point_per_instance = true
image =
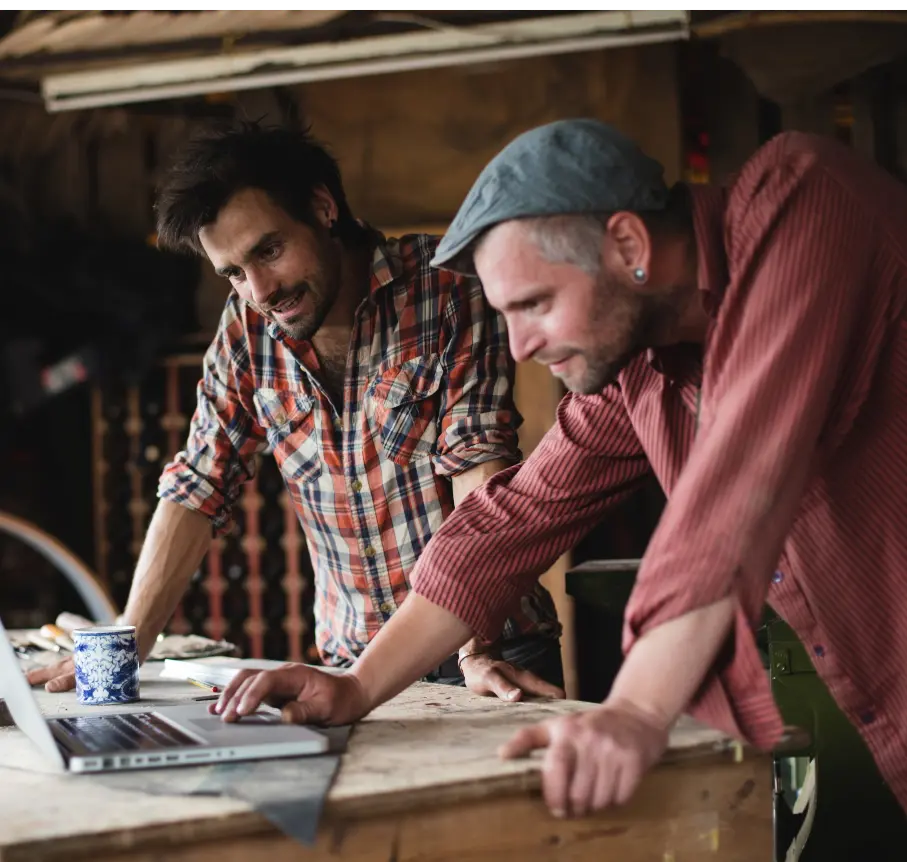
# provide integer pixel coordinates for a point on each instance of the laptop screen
(16, 692)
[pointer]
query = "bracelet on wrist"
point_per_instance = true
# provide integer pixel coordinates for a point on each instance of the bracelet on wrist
(463, 658)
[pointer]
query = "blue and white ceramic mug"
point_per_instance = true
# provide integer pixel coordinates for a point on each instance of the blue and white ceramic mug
(107, 664)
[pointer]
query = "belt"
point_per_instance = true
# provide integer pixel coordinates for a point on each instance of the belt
(448, 667)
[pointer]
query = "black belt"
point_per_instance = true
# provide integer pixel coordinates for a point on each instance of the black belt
(448, 667)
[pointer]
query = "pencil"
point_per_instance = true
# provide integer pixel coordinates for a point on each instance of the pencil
(205, 685)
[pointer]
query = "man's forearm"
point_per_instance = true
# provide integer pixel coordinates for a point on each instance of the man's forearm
(420, 635)
(466, 481)
(174, 547)
(666, 666)
(417, 638)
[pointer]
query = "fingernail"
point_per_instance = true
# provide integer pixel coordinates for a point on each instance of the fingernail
(559, 813)
(512, 694)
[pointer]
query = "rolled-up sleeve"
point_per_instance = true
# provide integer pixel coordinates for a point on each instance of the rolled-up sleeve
(799, 250)
(224, 435)
(509, 531)
(478, 420)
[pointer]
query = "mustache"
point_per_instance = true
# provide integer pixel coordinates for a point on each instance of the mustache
(285, 295)
(545, 359)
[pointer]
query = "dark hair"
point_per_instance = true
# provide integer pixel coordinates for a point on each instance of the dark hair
(677, 216)
(216, 164)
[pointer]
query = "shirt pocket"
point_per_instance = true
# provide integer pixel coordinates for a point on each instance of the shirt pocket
(403, 402)
(289, 420)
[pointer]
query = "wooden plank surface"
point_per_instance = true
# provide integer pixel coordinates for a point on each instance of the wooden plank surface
(687, 813)
(431, 746)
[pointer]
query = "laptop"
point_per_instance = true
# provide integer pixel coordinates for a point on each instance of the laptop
(165, 736)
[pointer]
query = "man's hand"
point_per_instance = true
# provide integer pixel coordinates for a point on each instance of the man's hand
(58, 677)
(594, 759)
(305, 694)
(486, 675)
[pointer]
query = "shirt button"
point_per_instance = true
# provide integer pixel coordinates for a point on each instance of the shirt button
(356, 485)
(819, 650)
(386, 607)
(369, 551)
(867, 717)
(777, 577)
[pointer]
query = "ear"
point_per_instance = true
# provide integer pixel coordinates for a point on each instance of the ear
(324, 207)
(631, 246)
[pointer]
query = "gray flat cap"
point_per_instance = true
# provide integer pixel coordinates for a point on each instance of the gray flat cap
(570, 166)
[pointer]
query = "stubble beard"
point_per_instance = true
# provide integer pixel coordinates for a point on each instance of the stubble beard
(619, 311)
(304, 328)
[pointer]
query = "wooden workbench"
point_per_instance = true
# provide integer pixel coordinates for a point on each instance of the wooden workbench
(420, 780)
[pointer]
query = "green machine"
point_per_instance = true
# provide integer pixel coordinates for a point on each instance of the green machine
(854, 815)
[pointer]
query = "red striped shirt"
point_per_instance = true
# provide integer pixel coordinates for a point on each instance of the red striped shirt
(792, 486)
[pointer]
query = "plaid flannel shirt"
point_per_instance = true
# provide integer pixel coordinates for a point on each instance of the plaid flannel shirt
(428, 395)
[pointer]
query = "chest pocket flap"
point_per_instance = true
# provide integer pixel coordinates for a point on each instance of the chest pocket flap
(289, 420)
(404, 407)
(410, 381)
(279, 407)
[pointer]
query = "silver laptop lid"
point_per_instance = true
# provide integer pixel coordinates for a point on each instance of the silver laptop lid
(16, 692)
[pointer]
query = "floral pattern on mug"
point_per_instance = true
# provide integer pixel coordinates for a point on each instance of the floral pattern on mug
(106, 665)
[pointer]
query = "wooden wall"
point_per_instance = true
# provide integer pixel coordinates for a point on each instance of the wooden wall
(867, 111)
(410, 145)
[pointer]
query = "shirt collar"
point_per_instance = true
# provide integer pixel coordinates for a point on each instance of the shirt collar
(387, 265)
(708, 205)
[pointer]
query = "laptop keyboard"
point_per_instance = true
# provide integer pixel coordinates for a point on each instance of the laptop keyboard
(125, 732)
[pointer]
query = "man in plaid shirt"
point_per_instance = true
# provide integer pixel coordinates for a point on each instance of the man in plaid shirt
(382, 386)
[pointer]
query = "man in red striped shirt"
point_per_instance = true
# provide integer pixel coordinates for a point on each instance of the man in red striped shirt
(748, 346)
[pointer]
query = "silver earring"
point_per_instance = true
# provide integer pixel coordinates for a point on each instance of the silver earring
(639, 274)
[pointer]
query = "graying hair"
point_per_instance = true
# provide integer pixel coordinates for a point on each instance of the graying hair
(571, 239)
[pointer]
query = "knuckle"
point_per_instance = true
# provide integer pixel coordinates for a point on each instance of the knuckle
(565, 731)
(558, 726)
(632, 756)
(237, 683)
(260, 685)
(606, 746)
(559, 755)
